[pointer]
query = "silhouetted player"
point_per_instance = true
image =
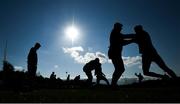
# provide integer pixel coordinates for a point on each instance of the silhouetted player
(140, 77)
(53, 76)
(149, 54)
(88, 67)
(33, 60)
(77, 78)
(100, 75)
(68, 77)
(117, 41)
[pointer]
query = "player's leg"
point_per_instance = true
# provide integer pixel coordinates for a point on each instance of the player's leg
(163, 66)
(146, 63)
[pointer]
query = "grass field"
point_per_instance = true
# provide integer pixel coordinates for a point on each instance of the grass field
(20, 87)
(17, 87)
(97, 94)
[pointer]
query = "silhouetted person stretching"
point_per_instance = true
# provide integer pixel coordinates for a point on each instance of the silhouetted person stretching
(88, 67)
(100, 75)
(117, 41)
(149, 54)
(140, 77)
(32, 60)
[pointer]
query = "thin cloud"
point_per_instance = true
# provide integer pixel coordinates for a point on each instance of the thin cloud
(72, 49)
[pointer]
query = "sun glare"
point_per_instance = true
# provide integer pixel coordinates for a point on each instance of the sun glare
(72, 32)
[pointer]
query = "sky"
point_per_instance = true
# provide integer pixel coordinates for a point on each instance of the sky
(25, 22)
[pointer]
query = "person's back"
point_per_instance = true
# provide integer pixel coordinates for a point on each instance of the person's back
(98, 70)
(115, 41)
(149, 54)
(90, 65)
(53, 76)
(144, 41)
(33, 59)
(77, 78)
(32, 56)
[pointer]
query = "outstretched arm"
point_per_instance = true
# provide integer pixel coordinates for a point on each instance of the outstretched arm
(128, 38)
(126, 42)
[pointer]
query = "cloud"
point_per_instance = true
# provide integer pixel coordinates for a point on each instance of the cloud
(103, 58)
(131, 61)
(77, 54)
(18, 68)
(80, 56)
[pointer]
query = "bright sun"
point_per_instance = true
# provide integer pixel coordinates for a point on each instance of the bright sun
(72, 32)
